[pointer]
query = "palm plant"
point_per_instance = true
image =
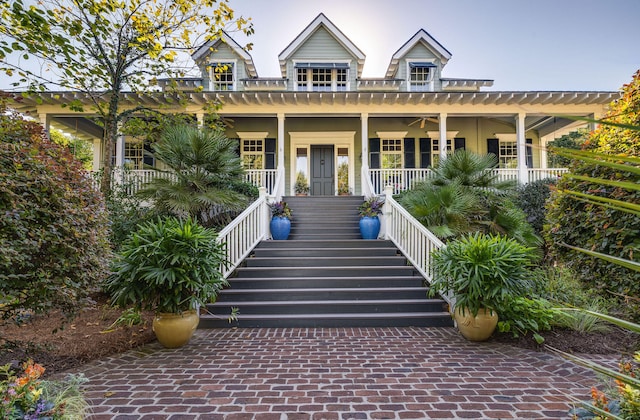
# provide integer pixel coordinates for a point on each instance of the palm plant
(465, 196)
(206, 170)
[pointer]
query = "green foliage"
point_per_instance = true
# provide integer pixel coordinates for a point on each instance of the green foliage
(595, 209)
(53, 227)
(128, 318)
(464, 196)
(371, 207)
(523, 315)
(207, 172)
(96, 46)
(343, 179)
(302, 184)
(483, 271)
(167, 265)
(583, 321)
(80, 149)
(573, 140)
(561, 286)
(532, 198)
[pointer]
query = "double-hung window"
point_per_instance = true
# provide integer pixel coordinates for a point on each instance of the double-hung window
(322, 77)
(222, 77)
(252, 153)
(421, 76)
(391, 153)
(508, 156)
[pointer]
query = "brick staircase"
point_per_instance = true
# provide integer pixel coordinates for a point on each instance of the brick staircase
(324, 275)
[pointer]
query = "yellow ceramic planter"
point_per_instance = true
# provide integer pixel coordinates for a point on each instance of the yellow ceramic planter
(175, 330)
(476, 328)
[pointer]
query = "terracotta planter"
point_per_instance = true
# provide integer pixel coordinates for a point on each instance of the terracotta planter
(478, 328)
(175, 330)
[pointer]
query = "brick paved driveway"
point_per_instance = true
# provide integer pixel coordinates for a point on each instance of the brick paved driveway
(345, 373)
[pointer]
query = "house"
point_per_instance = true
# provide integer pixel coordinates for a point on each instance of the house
(322, 118)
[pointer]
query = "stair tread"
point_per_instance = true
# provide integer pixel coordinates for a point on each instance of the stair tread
(326, 289)
(362, 315)
(325, 302)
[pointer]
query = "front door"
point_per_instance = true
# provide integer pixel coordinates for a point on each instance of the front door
(322, 171)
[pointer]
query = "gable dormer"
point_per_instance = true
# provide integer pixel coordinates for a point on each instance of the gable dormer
(321, 59)
(418, 63)
(223, 64)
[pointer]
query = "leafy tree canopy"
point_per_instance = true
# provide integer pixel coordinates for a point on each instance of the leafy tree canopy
(105, 47)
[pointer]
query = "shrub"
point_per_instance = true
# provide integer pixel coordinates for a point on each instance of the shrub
(523, 315)
(560, 285)
(532, 198)
(53, 227)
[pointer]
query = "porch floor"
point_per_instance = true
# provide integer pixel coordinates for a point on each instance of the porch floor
(333, 373)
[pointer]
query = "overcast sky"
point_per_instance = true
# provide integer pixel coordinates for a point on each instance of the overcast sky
(521, 44)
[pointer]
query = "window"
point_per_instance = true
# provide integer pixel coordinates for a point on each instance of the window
(508, 154)
(322, 77)
(391, 154)
(222, 77)
(252, 153)
(133, 154)
(435, 150)
(421, 76)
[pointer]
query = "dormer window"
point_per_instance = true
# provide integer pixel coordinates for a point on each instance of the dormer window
(421, 76)
(322, 77)
(222, 76)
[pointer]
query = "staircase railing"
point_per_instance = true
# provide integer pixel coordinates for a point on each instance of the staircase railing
(245, 232)
(414, 240)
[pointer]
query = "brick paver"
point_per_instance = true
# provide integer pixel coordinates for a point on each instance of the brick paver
(343, 373)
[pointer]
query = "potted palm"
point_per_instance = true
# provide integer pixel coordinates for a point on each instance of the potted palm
(369, 221)
(280, 224)
(301, 186)
(170, 266)
(481, 272)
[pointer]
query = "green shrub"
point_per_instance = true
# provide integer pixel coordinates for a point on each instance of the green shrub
(560, 285)
(532, 198)
(583, 321)
(522, 315)
(54, 245)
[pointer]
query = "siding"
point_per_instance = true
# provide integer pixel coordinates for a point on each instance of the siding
(222, 54)
(419, 53)
(321, 46)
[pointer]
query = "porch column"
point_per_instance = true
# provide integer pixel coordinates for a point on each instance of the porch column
(442, 120)
(281, 119)
(45, 122)
(364, 132)
(200, 119)
(523, 173)
(120, 151)
(97, 154)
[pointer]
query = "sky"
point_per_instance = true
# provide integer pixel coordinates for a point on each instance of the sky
(582, 45)
(520, 44)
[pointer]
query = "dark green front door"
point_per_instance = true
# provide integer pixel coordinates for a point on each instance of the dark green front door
(322, 171)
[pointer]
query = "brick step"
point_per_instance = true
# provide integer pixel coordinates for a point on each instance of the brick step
(325, 262)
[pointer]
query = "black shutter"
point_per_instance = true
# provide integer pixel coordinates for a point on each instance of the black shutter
(459, 143)
(425, 152)
(493, 147)
(409, 153)
(269, 153)
(374, 153)
(148, 160)
(237, 148)
(529, 148)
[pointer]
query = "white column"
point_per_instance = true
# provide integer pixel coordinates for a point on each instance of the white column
(200, 119)
(543, 152)
(45, 121)
(364, 132)
(281, 119)
(120, 151)
(97, 154)
(523, 173)
(442, 119)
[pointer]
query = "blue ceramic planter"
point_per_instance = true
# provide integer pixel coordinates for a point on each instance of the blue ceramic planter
(280, 228)
(369, 227)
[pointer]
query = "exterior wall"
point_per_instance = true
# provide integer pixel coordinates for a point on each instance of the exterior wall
(223, 54)
(321, 47)
(419, 53)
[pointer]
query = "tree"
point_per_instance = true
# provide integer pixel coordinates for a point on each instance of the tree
(53, 226)
(573, 140)
(596, 207)
(205, 175)
(104, 47)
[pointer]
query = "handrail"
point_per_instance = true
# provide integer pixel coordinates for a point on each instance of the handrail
(244, 233)
(414, 240)
(278, 189)
(367, 186)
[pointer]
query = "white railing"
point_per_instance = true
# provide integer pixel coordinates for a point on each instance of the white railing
(262, 178)
(536, 174)
(245, 232)
(414, 240)
(404, 179)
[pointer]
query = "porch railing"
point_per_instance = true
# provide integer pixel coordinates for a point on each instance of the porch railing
(414, 240)
(245, 232)
(404, 179)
